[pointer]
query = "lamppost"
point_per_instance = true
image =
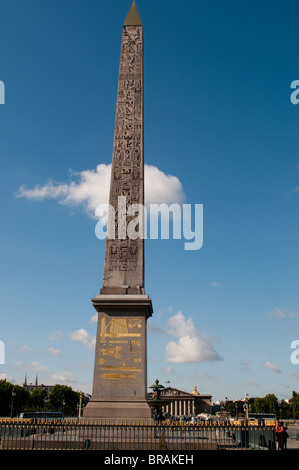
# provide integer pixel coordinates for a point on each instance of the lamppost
(13, 394)
(246, 407)
(45, 408)
(80, 406)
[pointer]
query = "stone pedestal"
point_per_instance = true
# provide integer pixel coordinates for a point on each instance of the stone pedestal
(120, 370)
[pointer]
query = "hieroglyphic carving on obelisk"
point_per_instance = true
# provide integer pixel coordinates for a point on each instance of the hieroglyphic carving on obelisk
(124, 255)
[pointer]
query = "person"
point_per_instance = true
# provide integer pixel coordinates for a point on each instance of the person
(279, 429)
(285, 435)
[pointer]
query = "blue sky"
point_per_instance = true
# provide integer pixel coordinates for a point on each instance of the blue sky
(220, 130)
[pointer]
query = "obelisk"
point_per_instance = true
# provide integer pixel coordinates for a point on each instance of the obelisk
(120, 369)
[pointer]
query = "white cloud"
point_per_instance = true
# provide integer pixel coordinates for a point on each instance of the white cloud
(160, 187)
(55, 335)
(191, 346)
(279, 313)
(24, 348)
(94, 318)
(54, 351)
(83, 337)
(9, 378)
(271, 367)
(63, 377)
(215, 284)
(276, 312)
(37, 367)
(252, 382)
(245, 364)
(205, 376)
(91, 188)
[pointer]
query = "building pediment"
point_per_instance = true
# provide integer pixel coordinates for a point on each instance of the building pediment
(175, 392)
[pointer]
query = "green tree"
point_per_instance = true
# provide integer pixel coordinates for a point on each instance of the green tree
(64, 398)
(285, 410)
(295, 405)
(21, 399)
(5, 397)
(257, 406)
(230, 406)
(268, 404)
(271, 403)
(37, 399)
(13, 398)
(238, 410)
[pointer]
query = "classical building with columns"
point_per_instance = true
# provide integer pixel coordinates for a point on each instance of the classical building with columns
(184, 403)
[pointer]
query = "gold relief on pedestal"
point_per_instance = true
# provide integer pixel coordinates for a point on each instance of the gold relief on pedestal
(120, 351)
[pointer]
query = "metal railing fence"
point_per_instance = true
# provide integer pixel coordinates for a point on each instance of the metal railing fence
(70, 435)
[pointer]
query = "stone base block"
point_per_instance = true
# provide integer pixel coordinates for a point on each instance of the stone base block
(112, 411)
